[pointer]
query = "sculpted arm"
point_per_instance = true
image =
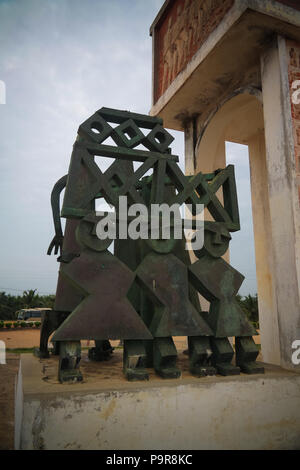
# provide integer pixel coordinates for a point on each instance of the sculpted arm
(57, 241)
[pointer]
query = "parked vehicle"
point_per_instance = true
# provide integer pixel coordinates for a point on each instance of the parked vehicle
(29, 314)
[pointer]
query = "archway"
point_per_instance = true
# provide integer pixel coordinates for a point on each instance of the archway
(240, 119)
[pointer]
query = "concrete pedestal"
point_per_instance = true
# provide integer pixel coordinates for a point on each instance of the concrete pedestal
(107, 412)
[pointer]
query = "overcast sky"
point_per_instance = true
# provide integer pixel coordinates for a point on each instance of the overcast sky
(61, 60)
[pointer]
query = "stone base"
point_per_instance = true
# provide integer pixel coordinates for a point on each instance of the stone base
(107, 412)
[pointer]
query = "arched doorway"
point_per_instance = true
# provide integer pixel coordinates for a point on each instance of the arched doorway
(240, 119)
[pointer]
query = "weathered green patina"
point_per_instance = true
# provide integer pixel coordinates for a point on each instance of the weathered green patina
(146, 292)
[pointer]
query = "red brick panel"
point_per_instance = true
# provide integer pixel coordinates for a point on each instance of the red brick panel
(181, 31)
(294, 74)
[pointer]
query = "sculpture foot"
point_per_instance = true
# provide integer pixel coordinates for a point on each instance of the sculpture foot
(246, 354)
(200, 354)
(136, 374)
(252, 368)
(134, 357)
(227, 369)
(169, 372)
(165, 357)
(202, 371)
(222, 357)
(69, 358)
(70, 375)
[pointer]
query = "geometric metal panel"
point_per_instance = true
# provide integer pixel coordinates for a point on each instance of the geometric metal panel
(105, 312)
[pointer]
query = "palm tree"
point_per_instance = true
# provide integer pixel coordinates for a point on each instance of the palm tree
(29, 298)
(249, 304)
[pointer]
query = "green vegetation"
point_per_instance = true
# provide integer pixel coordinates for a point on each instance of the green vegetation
(249, 304)
(10, 304)
(20, 324)
(20, 350)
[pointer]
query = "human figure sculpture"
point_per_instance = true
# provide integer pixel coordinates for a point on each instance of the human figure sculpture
(146, 292)
(219, 283)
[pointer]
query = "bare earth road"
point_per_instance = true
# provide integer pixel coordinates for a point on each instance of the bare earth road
(8, 374)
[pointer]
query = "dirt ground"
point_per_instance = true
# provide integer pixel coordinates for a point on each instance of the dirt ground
(8, 374)
(17, 339)
(20, 339)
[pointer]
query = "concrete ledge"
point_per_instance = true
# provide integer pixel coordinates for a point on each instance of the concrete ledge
(107, 412)
(218, 67)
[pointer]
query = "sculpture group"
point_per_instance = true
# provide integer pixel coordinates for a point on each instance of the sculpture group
(146, 292)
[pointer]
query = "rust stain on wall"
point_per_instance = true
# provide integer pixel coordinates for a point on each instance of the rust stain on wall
(109, 410)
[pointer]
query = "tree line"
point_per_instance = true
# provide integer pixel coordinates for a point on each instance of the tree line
(249, 305)
(10, 304)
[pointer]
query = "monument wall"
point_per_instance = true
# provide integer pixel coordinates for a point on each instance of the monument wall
(294, 76)
(183, 28)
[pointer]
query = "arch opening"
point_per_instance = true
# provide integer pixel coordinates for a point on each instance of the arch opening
(240, 120)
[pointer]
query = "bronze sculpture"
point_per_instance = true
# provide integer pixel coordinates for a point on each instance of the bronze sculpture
(146, 292)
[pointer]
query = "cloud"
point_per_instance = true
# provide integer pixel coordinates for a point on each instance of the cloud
(61, 60)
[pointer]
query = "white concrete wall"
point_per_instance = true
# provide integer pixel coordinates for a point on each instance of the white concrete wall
(267, 128)
(240, 120)
(241, 412)
(283, 196)
(267, 303)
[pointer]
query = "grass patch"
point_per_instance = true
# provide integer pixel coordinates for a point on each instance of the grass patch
(20, 350)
